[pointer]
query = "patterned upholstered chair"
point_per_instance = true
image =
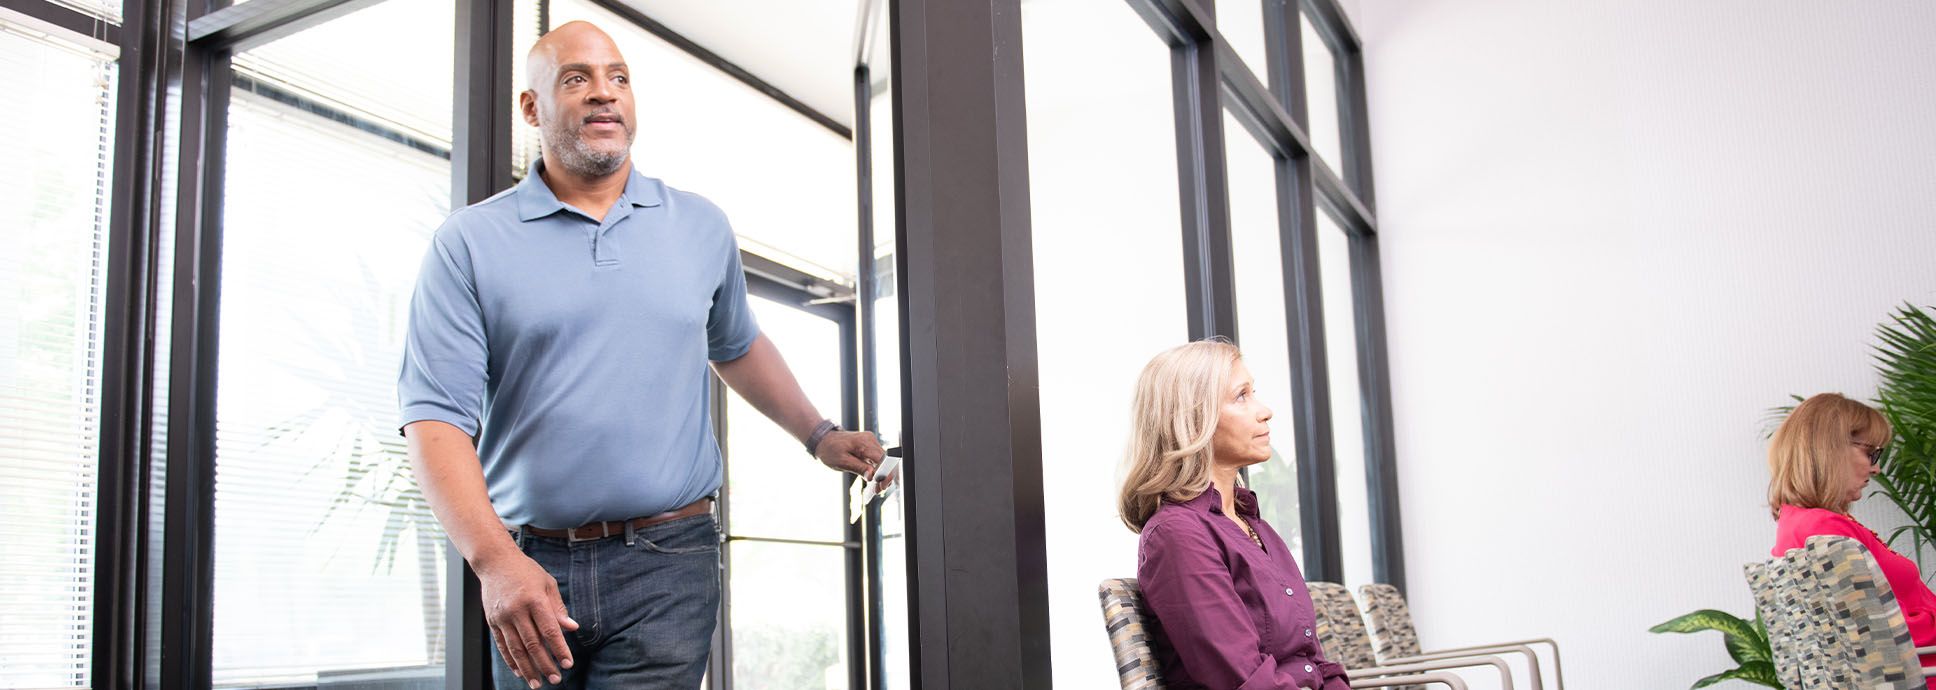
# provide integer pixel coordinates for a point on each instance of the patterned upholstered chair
(1396, 641)
(1342, 636)
(1833, 621)
(1135, 637)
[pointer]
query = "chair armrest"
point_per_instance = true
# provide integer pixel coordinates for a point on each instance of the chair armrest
(1505, 672)
(1559, 674)
(1447, 679)
(1532, 660)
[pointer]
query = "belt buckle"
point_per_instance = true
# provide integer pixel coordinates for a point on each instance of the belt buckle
(604, 530)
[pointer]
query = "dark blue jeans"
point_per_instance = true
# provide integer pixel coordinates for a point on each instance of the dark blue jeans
(645, 603)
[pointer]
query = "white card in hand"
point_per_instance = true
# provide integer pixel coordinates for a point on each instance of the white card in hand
(858, 496)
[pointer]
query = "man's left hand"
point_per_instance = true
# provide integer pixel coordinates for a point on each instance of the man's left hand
(852, 451)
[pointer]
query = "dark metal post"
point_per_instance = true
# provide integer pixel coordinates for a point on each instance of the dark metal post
(1310, 378)
(136, 221)
(1374, 377)
(1204, 192)
(480, 165)
(719, 664)
(1304, 307)
(188, 569)
(977, 565)
(866, 293)
(854, 534)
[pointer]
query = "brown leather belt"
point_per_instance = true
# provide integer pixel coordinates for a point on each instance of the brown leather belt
(601, 530)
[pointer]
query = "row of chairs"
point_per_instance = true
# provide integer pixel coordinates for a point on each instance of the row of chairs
(1832, 620)
(1377, 645)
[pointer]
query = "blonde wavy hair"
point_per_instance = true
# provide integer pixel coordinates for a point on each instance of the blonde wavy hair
(1179, 402)
(1802, 465)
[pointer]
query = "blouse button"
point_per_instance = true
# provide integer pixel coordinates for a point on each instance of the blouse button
(1307, 668)
(1290, 592)
(1307, 632)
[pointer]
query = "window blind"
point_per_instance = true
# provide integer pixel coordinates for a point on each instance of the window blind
(53, 213)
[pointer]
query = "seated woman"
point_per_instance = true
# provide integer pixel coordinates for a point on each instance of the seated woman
(1218, 579)
(1820, 460)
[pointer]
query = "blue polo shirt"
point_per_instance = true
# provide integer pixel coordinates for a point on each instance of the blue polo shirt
(575, 352)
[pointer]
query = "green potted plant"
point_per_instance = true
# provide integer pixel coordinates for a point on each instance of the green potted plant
(1747, 643)
(1906, 362)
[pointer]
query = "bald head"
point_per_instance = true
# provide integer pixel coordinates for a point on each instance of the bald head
(579, 96)
(566, 44)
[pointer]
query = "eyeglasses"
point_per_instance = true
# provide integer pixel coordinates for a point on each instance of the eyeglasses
(1875, 451)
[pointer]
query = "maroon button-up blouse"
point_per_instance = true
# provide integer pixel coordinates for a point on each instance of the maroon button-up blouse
(1236, 616)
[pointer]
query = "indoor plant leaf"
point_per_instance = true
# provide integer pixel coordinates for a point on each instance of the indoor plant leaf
(1757, 672)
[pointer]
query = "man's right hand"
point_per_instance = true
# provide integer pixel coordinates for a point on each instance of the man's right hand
(527, 617)
(521, 601)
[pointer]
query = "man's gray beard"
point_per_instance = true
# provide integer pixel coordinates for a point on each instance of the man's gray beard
(579, 158)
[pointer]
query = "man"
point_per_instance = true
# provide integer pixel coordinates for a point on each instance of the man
(555, 395)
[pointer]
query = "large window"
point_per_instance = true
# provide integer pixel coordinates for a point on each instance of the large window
(1108, 283)
(1321, 94)
(1348, 424)
(53, 261)
(1263, 331)
(328, 563)
(1241, 22)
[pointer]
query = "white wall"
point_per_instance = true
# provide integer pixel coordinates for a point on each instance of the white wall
(1108, 290)
(1615, 233)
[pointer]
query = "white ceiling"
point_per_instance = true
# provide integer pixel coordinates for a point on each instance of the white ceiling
(805, 48)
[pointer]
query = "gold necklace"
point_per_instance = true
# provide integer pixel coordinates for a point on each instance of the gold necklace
(1253, 533)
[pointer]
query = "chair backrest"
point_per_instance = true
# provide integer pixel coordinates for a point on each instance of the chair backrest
(1341, 633)
(1132, 634)
(1778, 589)
(1832, 620)
(1390, 622)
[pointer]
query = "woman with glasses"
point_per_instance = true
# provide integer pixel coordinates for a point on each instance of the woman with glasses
(1221, 582)
(1820, 460)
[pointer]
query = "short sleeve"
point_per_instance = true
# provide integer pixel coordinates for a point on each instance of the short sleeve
(730, 329)
(445, 354)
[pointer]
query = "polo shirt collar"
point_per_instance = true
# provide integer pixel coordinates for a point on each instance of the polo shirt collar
(1211, 501)
(535, 199)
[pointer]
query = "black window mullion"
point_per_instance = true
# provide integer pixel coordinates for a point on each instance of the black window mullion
(1204, 191)
(480, 167)
(188, 564)
(122, 591)
(1374, 383)
(719, 664)
(866, 289)
(855, 557)
(1304, 304)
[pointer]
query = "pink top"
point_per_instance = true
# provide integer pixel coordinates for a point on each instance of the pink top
(1797, 524)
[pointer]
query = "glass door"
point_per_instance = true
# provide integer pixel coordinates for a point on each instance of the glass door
(791, 558)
